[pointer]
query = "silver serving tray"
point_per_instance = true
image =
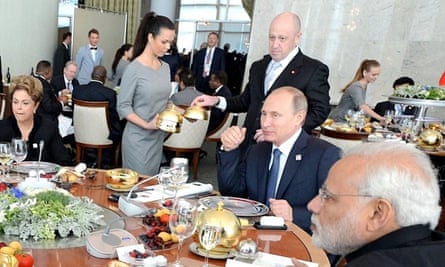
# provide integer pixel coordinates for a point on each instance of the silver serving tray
(417, 101)
(240, 206)
(26, 166)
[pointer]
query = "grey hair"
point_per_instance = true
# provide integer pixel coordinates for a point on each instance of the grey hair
(404, 176)
(298, 98)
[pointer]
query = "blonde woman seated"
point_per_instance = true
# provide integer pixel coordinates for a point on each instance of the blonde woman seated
(25, 94)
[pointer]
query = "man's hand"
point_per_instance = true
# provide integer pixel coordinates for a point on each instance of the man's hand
(281, 208)
(233, 137)
(205, 101)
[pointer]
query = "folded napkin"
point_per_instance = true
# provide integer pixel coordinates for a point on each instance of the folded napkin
(267, 260)
(154, 192)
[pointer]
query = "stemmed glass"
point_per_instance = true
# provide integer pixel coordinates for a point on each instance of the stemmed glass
(348, 116)
(179, 170)
(5, 156)
(389, 114)
(183, 222)
(19, 150)
(164, 179)
(209, 236)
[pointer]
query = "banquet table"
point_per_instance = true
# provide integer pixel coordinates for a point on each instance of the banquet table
(293, 242)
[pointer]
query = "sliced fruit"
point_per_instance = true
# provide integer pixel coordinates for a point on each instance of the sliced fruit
(174, 239)
(7, 250)
(165, 236)
(180, 228)
(164, 218)
(15, 245)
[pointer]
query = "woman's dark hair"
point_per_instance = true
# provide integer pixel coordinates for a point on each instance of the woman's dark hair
(117, 57)
(151, 23)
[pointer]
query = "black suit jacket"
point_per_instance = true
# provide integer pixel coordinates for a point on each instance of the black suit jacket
(305, 171)
(307, 74)
(61, 56)
(217, 115)
(58, 83)
(96, 91)
(218, 63)
(49, 107)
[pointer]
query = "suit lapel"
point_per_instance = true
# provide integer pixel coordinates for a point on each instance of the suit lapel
(263, 171)
(293, 162)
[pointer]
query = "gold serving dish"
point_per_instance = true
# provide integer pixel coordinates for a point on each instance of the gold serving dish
(430, 139)
(225, 219)
(121, 178)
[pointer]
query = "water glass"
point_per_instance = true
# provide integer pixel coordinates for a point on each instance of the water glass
(179, 170)
(19, 150)
(164, 179)
(5, 156)
(209, 236)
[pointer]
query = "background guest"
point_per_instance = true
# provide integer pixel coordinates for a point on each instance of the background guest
(399, 109)
(286, 65)
(67, 80)
(218, 82)
(51, 105)
(287, 169)
(173, 59)
(26, 93)
(121, 60)
(62, 54)
(144, 92)
(88, 56)
(378, 207)
(354, 93)
(207, 61)
(187, 91)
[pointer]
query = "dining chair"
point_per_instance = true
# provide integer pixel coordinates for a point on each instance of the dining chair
(188, 140)
(215, 135)
(91, 129)
(2, 105)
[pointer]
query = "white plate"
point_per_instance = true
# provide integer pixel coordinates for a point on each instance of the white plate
(198, 250)
(108, 186)
(240, 206)
(26, 166)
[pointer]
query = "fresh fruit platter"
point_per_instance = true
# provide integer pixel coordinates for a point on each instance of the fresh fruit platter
(158, 235)
(14, 252)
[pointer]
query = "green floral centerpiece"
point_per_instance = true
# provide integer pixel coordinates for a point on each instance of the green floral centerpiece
(47, 214)
(421, 92)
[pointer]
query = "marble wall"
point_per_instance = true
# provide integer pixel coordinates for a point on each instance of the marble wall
(406, 36)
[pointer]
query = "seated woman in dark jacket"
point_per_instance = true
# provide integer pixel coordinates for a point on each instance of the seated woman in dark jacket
(26, 94)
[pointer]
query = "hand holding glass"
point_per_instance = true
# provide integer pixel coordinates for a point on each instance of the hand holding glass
(183, 222)
(209, 236)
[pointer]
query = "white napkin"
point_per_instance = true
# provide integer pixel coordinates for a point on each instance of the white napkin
(185, 190)
(267, 260)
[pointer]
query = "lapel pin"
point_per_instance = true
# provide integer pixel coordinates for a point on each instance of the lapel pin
(292, 72)
(298, 157)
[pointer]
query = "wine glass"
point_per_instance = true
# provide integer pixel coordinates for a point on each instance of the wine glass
(164, 179)
(389, 114)
(179, 170)
(182, 222)
(19, 150)
(209, 236)
(348, 115)
(5, 156)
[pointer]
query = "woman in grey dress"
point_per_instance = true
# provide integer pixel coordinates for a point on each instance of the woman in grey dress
(144, 92)
(354, 93)
(121, 60)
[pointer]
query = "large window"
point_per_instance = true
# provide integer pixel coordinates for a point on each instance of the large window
(199, 17)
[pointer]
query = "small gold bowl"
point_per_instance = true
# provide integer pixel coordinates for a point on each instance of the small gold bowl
(121, 178)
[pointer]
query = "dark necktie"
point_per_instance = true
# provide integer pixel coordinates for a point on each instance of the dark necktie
(68, 86)
(273, 175)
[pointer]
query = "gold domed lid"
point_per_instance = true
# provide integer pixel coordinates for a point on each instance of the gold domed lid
(431, 137)
(225, 219)
(196, 112)
(170, 120)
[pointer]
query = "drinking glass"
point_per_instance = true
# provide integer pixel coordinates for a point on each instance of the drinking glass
(348, 115)
(19, 150)
(182, 222)
(5, 156)
(164, 179)
(209, 236)
(389, 114)
(179, 170)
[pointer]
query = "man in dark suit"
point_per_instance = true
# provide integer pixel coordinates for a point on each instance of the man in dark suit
(285, 65)
(218, 81)
(207, 61)
(62, 54)
(67, 80)
(51, 105)
(303, 161)
(96, 91)
(399, 109)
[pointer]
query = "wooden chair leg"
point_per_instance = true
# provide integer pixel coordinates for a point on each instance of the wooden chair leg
(195, 163)
(99, 158)
(116, 155)
(79, 151)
